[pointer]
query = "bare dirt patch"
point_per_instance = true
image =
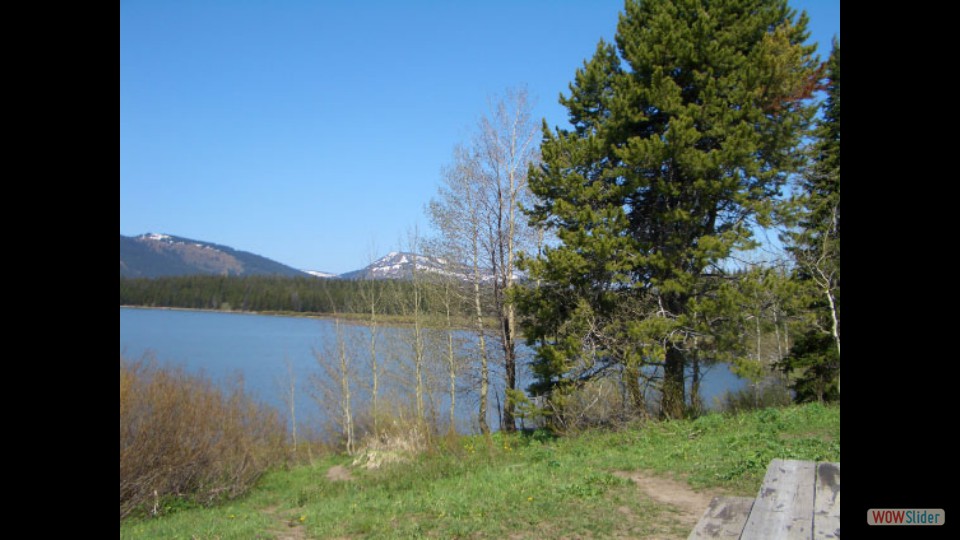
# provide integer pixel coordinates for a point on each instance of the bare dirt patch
(287, 529)
(669, 491)
(339, 473)
(292, 533)
(688, 504)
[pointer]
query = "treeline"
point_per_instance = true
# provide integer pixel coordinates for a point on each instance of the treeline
(275, 293)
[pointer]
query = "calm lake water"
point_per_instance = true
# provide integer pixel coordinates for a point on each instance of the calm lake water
(259, 348)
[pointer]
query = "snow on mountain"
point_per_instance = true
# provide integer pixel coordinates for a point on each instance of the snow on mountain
(401, 265)
(319, 274)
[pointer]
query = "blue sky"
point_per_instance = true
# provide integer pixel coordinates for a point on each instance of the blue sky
(314, 132)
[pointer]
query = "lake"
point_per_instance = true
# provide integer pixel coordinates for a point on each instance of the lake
(259, 348)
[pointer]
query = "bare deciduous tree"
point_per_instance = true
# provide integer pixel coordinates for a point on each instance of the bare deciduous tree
(456, 214)
(333, 385)
(371, 298)
(290, 396)
(477, 211)
(412, 309)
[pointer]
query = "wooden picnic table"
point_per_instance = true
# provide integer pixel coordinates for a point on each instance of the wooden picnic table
(798, 499)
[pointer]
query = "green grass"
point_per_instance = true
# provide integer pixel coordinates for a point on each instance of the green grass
(519, 486)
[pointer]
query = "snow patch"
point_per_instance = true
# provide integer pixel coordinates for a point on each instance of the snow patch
(319, 274)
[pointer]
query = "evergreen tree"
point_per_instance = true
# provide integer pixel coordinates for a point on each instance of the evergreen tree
(682, 135)
(815, 245)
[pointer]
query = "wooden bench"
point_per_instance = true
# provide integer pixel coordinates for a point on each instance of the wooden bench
(798, 499)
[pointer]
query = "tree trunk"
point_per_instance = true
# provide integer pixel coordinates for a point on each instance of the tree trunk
(375, 369)
(509, 319)
(418, 345)
(292, 397)
(835, 330)
(451, 359)
(696, 404)
(482, 345)
(510, 368)
(776, 330)
(418, 359)
(827, 282)
(345, 407)
(673, 399)
(631, 376)
(453, 383)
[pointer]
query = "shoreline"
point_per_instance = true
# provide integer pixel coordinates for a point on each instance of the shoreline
(293, 314)
(353, 318)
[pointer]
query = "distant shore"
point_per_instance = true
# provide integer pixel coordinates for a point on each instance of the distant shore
(359, 318)
(354, 318)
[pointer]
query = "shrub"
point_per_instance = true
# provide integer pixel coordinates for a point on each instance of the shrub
(772, 392)
(184, 441)
(597, 403)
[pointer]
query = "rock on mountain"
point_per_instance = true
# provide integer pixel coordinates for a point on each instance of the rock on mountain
(156, 255)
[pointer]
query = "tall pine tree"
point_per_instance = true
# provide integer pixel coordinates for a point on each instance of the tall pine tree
(682, 135)
(815, 245)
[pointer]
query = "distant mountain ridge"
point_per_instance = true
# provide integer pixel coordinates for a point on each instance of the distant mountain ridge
(157, 255)
(153, 255)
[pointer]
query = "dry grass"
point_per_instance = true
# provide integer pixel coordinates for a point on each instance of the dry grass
(398, 440)
(182, 439)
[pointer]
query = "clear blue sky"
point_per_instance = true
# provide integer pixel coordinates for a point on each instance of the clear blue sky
(309, 131)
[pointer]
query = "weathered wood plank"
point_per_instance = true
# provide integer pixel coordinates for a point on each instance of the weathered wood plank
(724, 518)
(784, 507)
(826, 501)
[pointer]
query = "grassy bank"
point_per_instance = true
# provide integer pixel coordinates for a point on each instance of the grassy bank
(533, 486)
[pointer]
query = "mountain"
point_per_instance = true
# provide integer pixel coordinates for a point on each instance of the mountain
(155, 255)
(400, 265)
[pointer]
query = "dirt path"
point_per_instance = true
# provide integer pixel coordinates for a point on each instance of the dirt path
(287, 529)
(291, 528)
(688, 504)
(338, 473)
